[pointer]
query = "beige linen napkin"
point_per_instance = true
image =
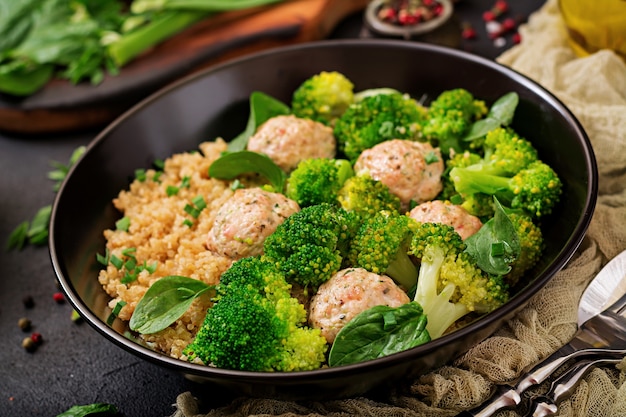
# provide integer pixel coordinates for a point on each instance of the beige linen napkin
(594, 88)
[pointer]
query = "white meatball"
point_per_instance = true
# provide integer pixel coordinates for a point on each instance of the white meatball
(438, 211)
(288, 139)
(411, 170)
(245, 220)
(346, 294)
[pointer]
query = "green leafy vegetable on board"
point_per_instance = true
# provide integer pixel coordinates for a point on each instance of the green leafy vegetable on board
(83, 40)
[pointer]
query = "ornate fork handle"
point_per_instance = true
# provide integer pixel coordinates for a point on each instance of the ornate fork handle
(511, 396)
(563, 387)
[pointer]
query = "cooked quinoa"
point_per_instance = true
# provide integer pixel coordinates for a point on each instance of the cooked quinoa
(160, 237)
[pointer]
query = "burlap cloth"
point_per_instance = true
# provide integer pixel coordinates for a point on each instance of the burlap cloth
(594, 88)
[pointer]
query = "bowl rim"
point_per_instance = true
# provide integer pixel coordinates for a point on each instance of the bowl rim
(508, 309)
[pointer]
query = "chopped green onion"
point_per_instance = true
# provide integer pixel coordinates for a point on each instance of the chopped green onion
(171, 190)
(159, 164)
(431, 157)
(103, 260)
(140, 175)
(116, 262)
(157, 176)
(115, 312)
(185, 182)
(497, 249)
(188, 222)
(199, 202)
(123, 224)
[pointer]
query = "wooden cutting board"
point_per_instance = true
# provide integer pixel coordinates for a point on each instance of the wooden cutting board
(63, 107)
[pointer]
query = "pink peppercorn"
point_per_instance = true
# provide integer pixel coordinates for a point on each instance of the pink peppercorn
(58, 297)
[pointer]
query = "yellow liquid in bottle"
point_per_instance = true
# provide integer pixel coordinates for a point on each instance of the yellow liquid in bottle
(593, 25)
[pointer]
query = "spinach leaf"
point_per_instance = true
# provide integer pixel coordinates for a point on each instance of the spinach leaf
(262, 108)
(379, 331)
(233, 164)
(165, 301)
(496, 245)
(500, 114)
(91, 410)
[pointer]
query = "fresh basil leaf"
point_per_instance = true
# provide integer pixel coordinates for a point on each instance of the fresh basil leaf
(164, 302)
(91, 410)
(262, 108)
(500, 114)
(231, 165)
(504, 108)
(480, 128)
(498, 232)
(379, 331)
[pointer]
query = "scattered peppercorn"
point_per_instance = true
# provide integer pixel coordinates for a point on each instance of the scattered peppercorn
(28, 301)
(24, 324)
(409, 12)
(36, 338)
(59, 297)
(517, 38)
(467, 31)
(29, 344)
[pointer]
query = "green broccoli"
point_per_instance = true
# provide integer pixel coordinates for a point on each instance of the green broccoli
(381, 246)
(317, 180)
(375, 119)
(256, 325)
(323, 97)
(450, 285)
(309, 246)
(505, 153)
(462, 160)
(535, 189)
(531, 246)
(366, 196)
(449, 116)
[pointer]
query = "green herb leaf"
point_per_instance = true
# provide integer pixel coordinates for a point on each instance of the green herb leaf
(164, 302)
(500, 114)
(91, 410)
(262, 108)
(231, 165)
(378, 332)
(17, 238)
(496, 245)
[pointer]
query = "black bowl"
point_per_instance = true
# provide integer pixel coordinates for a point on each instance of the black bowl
(214, 103)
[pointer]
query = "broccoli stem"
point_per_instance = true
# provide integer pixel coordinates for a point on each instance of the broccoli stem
(469, 181)
(164, 26)
(441, 313)
(402, 270)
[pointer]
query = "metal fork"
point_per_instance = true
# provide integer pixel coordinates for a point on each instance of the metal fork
(563, 387)
(603, 335)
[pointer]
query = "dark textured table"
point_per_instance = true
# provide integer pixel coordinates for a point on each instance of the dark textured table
(75, 365)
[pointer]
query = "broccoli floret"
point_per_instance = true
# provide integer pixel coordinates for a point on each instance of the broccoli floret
(531, 246)
(375, 119)
(462, 160)
(381, 246)
(365, 196)
(535, 189)
(256, 325)
(450, 285)
(309, 246)
(318, 180)
(450, 115)
(505, 153)
(323, 97)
